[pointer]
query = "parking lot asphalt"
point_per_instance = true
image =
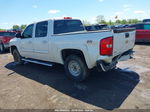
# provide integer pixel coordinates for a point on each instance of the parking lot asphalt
(33, 86)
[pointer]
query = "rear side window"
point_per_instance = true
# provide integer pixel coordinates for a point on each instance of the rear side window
(147, 27)
(41, 29)
(66, 26)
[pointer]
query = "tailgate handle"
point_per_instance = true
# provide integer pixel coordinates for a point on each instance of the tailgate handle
(127, 35)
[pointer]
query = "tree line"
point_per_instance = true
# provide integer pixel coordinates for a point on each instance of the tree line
(101, 20)
(17, 27)
(1, 29)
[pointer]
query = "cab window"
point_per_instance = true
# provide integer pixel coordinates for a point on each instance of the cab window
(67, 26)
(28, 32)
(41, 29)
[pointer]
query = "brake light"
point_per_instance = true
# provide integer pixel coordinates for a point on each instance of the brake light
(67, 17)
(106, 46)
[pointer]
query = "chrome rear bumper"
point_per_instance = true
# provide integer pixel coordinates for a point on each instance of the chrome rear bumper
(103, 66)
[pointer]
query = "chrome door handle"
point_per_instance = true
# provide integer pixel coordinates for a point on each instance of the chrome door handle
(30, 42)
(44, 41)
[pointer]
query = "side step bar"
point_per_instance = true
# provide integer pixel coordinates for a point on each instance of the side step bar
(37, 62)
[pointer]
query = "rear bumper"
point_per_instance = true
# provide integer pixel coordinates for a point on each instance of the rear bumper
(103, 66)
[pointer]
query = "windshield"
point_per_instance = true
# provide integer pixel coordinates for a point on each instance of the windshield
(8, 34)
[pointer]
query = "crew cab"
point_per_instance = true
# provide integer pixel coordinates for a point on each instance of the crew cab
(5, 37)
(65, 41)
(142, 32)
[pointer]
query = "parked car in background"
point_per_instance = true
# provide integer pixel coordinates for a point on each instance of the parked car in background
(119, 26)
(116, 26)
(142, 32)
(5, 37)
(123, 26)
(96, 27)
(146, 20)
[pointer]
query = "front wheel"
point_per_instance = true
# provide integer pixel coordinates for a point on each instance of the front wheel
(1, 48)
(17, 57)
(76, 68)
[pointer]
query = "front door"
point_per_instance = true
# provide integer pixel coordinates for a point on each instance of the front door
(26, 42)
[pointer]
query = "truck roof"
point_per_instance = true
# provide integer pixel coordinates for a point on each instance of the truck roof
(53, 19)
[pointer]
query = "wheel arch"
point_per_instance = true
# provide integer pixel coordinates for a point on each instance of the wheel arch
(67, 52)
(12, 48)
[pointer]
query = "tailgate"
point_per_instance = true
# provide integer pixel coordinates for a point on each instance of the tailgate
(124, 40)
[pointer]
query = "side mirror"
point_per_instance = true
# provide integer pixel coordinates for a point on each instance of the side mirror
(18, 35)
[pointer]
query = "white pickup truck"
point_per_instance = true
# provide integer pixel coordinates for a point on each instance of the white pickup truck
(65, 41)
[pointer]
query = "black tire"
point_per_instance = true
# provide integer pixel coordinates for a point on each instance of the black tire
(17, 57)
(83, 71)
(2, 49)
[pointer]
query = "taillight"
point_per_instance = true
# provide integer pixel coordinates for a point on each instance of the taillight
(106, 46)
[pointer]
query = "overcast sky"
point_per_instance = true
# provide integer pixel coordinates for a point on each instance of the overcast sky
(28, 11)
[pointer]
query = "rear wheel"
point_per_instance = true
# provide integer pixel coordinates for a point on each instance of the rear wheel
(1, 48)
(17, 57)
(76, 68)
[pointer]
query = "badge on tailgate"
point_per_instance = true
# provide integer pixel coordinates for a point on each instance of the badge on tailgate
(89, 41)
(127, 42)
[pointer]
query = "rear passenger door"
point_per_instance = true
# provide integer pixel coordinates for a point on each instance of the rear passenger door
(41, 41)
